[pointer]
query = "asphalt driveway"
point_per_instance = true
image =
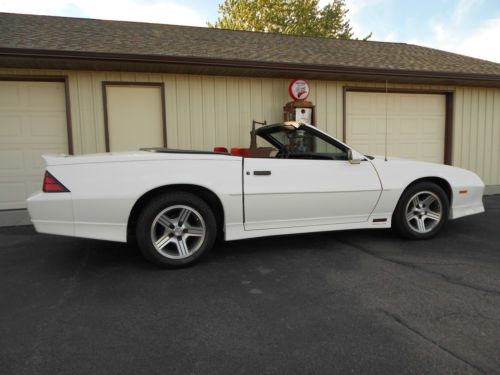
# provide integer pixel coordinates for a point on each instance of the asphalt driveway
(339, 302)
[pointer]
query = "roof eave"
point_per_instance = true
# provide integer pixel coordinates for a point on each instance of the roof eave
(56, 59)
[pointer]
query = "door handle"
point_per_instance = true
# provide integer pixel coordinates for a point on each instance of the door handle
(262, 173)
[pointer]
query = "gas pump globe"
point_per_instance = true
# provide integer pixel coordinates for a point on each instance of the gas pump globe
(299, 109)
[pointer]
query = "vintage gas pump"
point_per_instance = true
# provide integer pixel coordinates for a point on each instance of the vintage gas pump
(299, 109)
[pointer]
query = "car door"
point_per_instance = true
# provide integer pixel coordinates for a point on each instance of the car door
(287, 192)
(281, 193)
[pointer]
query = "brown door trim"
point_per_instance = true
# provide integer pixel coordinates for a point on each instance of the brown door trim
(448, 127)
(48, 78)
(161, 85)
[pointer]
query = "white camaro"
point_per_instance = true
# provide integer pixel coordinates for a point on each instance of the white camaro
(174, 203)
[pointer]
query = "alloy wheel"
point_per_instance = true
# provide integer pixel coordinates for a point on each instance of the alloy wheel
(424, 211)
(178, 231)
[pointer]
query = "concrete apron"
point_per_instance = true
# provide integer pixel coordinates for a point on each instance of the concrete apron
(10, 218)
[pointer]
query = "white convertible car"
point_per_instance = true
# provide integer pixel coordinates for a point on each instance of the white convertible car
(175, 203)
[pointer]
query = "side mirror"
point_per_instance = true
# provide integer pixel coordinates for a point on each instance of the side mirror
(354, 158)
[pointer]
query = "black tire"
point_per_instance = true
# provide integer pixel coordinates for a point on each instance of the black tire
(413, 228)
(148, 225)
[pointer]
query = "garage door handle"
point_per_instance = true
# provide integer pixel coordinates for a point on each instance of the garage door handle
(262, 173)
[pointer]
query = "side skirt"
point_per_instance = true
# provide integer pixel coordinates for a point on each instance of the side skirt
(237, 231)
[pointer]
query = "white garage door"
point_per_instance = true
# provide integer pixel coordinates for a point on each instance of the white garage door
(415, 124)
(32, 123)
(134, 117)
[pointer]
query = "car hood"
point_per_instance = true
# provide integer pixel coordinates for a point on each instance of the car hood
(396, 171)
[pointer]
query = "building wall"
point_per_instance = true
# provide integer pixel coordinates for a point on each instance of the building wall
(207, 111)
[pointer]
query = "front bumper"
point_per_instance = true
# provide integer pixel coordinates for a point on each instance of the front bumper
(470, 203)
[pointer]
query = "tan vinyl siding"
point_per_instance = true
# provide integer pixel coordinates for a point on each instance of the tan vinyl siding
(207, 111)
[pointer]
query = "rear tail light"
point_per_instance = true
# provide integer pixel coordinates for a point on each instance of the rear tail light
(52, 185)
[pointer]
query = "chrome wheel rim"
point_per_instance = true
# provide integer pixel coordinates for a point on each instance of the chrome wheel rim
(424, 211)
(178, 232)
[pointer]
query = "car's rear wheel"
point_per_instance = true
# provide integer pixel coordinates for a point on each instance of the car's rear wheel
(176, 229)
(422, 211)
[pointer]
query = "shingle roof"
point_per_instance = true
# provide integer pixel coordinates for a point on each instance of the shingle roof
(48, 33)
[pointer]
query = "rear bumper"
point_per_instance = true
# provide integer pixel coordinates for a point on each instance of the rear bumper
(52, 213)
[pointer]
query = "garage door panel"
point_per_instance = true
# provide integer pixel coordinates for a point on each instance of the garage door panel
(377, 106)
(31, 125)
(431, 150)
(378, 149)
(409, 126)
(46, 96)
(432, 125)
(415, 124)
(12, 194)
(408, 104)
(363, 101)
(33, 184)
(379, 127)
(433, 104)
(393, 126)
(47, 127)
(11, 160)
(10, 126)
(10, 95)
(405, 150)
(34, 161)
(362, 125)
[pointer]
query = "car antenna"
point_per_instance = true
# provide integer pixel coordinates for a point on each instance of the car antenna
(385, 143)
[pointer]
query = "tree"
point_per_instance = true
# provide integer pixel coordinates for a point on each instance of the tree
(293, 17)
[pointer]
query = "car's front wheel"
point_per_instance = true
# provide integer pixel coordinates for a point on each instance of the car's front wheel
(176, 229)
(422, 211)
